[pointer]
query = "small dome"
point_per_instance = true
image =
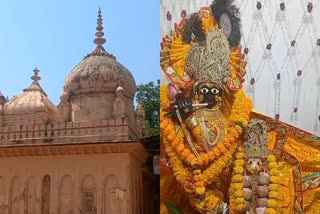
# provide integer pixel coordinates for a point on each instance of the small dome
(119, 91)
(99, 74)
(32, 100)
(29, 102)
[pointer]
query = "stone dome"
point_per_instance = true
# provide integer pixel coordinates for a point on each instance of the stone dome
(33, 100)
(30, 101)
(99, 73)
(99, 87)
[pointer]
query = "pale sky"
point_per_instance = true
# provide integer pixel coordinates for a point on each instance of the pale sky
(55, 36)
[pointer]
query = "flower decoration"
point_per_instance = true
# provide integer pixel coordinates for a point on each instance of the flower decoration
(272, 204)
(236, 186)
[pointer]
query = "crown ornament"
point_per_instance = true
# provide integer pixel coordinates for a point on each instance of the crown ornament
(255, 144)
(206, 47)
(209, 61)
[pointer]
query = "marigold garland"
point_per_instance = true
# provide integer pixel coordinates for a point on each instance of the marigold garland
(272, 204)
(177, 166)
(182, 158)
(239, 114)
(216, 167)
(236, 186)
(273, 187)
(210, 202)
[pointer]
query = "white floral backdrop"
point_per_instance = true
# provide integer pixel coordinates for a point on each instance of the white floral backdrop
(283, 79)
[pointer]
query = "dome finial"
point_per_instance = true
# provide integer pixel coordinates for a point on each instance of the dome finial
(35, 76)
(99, 40)
(35, 86)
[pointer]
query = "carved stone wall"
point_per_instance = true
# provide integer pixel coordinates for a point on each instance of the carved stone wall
(40, 117)
(69, 174)
(68, 132)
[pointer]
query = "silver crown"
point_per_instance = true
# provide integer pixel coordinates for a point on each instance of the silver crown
(209, 61)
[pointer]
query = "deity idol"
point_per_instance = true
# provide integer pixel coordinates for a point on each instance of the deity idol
(217, 154)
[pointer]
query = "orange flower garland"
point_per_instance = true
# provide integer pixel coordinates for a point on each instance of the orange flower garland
(211, 173)
(239, 113)
(183, 160)
(216, 167)
(180, 172)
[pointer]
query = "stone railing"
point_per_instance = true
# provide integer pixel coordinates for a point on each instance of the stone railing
(69, 132)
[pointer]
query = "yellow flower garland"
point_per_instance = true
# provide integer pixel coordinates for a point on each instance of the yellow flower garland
(272, 204)
(236, 186)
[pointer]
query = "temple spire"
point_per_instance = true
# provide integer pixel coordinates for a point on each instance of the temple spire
(35, 86)
(35, 76)
(99, 40)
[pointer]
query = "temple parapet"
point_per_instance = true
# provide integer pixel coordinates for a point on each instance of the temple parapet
(69, 132)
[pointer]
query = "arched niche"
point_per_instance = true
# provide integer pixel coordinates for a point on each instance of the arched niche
(45, 195)
(119, 107)
(88, 195)
(32, 205)
(66, 195)
(16, 196)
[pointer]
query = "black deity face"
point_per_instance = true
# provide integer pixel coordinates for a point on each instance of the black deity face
(210, 93)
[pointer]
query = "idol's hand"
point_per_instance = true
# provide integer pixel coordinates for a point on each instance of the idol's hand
(183, 105)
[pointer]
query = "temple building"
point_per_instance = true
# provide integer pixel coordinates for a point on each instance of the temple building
(84, 155)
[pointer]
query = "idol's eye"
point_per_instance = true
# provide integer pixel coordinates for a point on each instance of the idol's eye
(204, 90)
(215, 91)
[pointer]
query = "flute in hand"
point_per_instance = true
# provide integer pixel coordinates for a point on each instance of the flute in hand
(195, 105)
